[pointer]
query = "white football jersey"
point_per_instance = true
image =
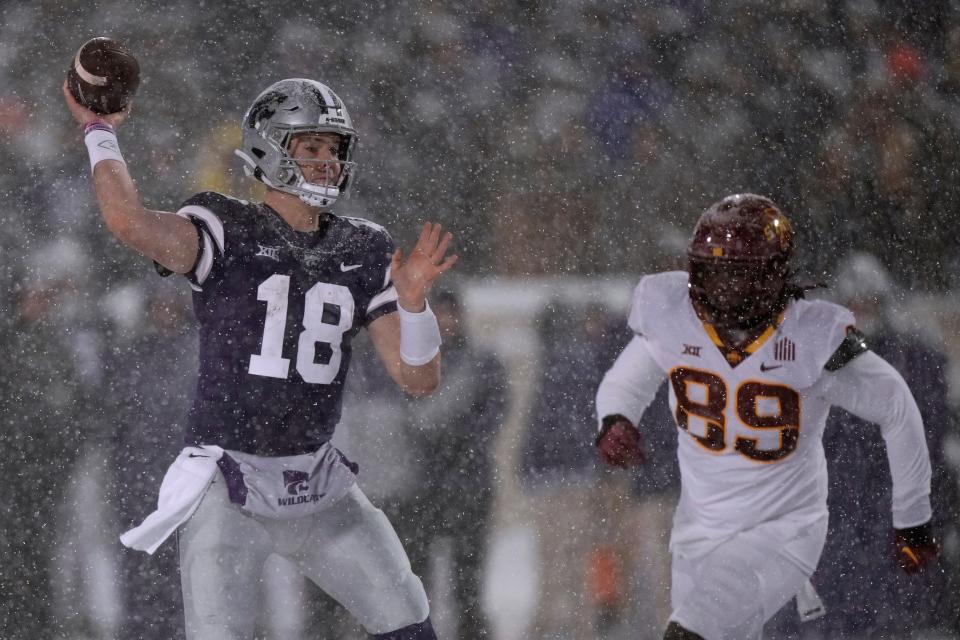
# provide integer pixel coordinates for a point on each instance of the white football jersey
(750, 426)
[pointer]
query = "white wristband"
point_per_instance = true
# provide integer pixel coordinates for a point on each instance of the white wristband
(101, 143)
(419, 336)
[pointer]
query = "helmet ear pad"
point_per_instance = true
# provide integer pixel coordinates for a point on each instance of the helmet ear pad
(263, 152)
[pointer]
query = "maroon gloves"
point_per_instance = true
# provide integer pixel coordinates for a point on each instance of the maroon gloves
(619, 442)
(916, 547)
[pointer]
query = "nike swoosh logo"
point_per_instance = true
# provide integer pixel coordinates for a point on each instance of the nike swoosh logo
(197, 455)
(764, 367)
(349, 267)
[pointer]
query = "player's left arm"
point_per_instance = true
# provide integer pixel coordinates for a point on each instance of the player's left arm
(408, 342)
(870, 388)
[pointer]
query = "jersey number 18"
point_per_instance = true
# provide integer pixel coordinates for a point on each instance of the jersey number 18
(338, 301)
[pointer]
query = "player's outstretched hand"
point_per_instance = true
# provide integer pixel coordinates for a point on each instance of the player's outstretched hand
(916, 547)
(414, 274)
(84, 116)
(619, 442)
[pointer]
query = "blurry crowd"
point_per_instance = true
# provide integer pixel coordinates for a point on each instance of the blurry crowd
(554, 138)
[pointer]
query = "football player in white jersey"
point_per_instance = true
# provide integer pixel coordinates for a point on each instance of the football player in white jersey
(753, 370)
(280, 289)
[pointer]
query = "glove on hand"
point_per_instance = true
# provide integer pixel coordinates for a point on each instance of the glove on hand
(916, 547)
(619, 442)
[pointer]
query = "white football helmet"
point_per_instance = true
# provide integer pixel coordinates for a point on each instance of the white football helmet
(286, 108)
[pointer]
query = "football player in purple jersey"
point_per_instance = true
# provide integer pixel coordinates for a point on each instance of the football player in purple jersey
(280, 289)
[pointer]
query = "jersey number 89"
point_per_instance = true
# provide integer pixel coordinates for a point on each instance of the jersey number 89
(712, 410)
(335, 299)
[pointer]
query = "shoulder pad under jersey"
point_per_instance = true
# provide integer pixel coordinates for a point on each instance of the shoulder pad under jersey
(657, 296)
(363, 222)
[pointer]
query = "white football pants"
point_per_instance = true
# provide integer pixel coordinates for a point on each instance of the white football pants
(349, 550)
(729, 593)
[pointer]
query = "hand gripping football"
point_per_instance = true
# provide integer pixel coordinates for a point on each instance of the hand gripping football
(104, 76)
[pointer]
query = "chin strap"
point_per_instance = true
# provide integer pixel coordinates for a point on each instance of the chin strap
(323, 198)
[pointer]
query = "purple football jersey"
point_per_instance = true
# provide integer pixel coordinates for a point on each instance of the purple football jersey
(277, 309)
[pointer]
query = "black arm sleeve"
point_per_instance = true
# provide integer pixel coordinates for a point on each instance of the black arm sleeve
(852, 346)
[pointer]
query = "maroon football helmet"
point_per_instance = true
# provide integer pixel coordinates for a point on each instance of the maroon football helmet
(739, 260)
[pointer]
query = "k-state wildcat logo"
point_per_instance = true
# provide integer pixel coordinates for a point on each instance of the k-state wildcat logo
(297, 485)
(296, 482)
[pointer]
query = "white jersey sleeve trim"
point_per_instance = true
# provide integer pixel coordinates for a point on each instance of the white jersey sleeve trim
(382, 298)
(212, 222)
(205, 264)
(630, 385)
(363, 222)
(386, 277)
(212, 241)
(870, 388)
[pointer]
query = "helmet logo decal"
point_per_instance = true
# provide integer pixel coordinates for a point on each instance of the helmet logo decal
(321, 101)
(777, 228)
(265, 107)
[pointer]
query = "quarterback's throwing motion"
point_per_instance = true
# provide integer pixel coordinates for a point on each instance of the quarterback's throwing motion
(280, 289)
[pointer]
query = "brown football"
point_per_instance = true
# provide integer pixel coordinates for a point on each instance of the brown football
(104, 75)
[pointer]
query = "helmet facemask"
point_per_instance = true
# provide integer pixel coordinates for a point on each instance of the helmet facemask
(329, 178)
(738, 296)
(739, 259)
(288, 109)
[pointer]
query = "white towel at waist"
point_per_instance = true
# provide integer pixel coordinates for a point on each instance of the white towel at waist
(181, 491)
